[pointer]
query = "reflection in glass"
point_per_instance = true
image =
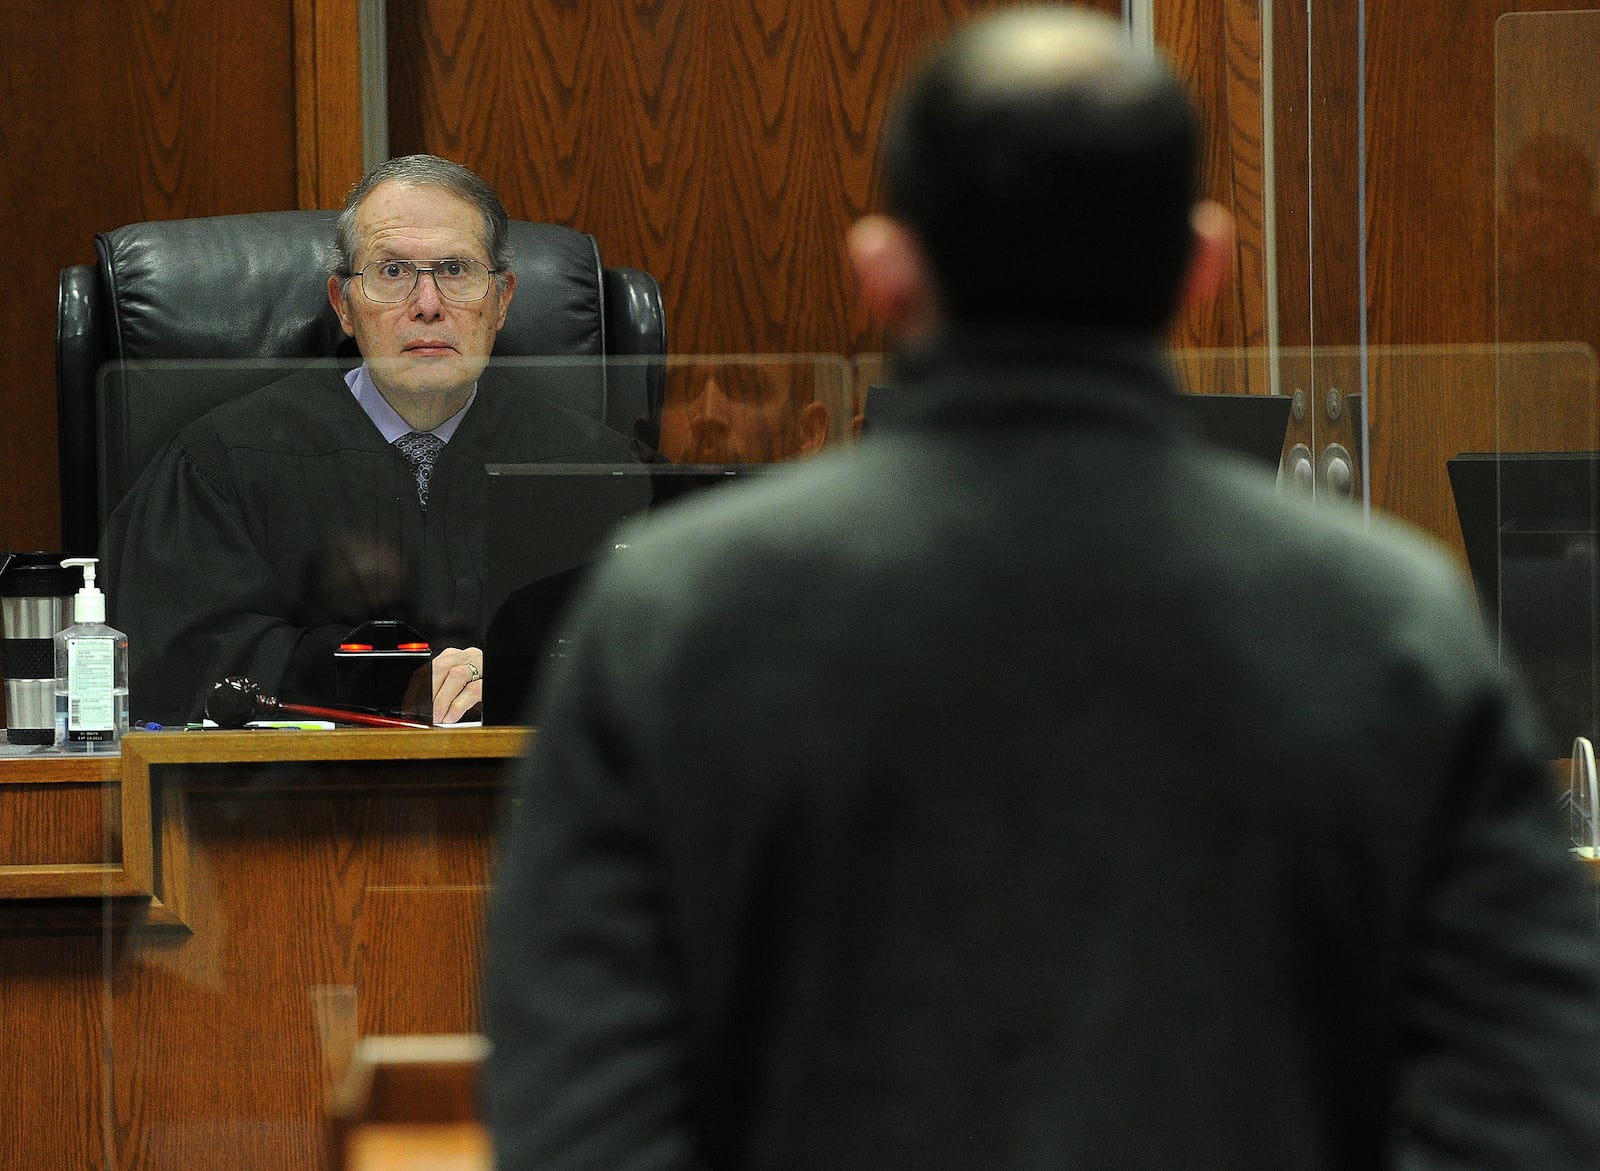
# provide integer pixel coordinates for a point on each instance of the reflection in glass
(1541, 568)
(748, 411)
(1549, 243)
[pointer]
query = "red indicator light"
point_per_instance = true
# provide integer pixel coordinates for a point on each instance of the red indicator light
(355, 646)
(412, 646)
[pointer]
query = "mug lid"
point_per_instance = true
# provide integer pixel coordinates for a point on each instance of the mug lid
(37, 575)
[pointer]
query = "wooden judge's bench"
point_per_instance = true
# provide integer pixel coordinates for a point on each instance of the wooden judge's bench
(252, 949)
(194, 935)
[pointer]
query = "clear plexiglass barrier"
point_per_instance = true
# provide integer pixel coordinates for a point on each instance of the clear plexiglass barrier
(269, 898)
(1535, 555)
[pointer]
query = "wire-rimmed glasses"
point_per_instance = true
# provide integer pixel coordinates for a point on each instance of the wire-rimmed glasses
(457, 279)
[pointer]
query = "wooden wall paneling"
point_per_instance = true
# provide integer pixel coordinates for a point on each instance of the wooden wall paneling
(121, 111)
(793, 149)
(1291, 179)
(327, 92)
(1216, 47)
(1334, 148)
(1291, 145)
(1431, 232)
(725, 147)
(1547, 262)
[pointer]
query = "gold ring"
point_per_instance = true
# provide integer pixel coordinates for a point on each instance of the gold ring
(473, 667)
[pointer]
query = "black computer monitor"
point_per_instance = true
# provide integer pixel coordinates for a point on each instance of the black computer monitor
(1251, 425)
(1530, 523)
(545, 524)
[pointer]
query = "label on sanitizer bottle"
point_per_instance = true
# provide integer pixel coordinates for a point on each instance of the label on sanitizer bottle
(91, 690)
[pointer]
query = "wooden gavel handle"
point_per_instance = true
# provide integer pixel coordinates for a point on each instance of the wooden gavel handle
(338, 715)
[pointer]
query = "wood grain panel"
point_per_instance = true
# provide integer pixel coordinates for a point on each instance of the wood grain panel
(326, 885)
(51, 1076)
(119, 112)
(302, 881)
(1547, 263)
(1429, 270)
(725, 147)
(1431, 233)
(405, 929)
(53, 824)
(1334, 147)
(1291, 179)
(327, 84)
(1291, 81)
(64, 842)
(1216, 46)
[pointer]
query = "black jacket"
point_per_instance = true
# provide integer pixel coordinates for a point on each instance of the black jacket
(1034, 788)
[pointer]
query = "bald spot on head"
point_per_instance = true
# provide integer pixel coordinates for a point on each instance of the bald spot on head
(1041, 49)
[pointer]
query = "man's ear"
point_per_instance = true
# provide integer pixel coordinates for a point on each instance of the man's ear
(894, 278)
(510, 279)
(1211, 263)
(813, 427)
(337, 300)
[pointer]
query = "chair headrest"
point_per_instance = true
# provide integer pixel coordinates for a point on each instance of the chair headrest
(255, 286)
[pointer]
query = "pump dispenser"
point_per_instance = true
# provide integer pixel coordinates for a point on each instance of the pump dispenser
(91, 673)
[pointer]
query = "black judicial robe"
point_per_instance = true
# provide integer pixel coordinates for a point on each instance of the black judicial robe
(270, 527)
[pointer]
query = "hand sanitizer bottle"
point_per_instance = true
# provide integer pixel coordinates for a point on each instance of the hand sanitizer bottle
(91, 673)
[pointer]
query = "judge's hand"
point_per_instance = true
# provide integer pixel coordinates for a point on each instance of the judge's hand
(457, 683)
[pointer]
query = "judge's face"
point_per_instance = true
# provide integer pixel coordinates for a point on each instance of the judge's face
(425, 352)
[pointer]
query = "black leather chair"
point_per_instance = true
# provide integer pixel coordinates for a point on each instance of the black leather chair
(225, 300)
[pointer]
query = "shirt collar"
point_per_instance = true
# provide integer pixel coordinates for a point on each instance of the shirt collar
(385, 418)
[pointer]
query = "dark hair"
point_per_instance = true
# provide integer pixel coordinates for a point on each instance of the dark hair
(1047, 191)
(424, 171)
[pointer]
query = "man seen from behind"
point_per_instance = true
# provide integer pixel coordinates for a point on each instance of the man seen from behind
(1032, 786)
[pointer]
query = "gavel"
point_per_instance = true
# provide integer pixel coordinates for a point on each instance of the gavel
(236, 701)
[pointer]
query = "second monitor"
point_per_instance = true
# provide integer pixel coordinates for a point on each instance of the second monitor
(545, 525)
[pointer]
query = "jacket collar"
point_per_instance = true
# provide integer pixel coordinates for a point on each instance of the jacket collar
(1023, 377)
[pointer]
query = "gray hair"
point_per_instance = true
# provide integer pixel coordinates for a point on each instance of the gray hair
(424, 171)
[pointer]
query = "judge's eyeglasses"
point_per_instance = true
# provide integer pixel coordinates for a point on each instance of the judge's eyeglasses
(390, 281)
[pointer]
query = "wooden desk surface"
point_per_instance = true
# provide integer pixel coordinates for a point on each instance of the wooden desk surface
(34, 766)
(265, 745)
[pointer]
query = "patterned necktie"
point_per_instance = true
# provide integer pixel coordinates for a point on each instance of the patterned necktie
(420, 448)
